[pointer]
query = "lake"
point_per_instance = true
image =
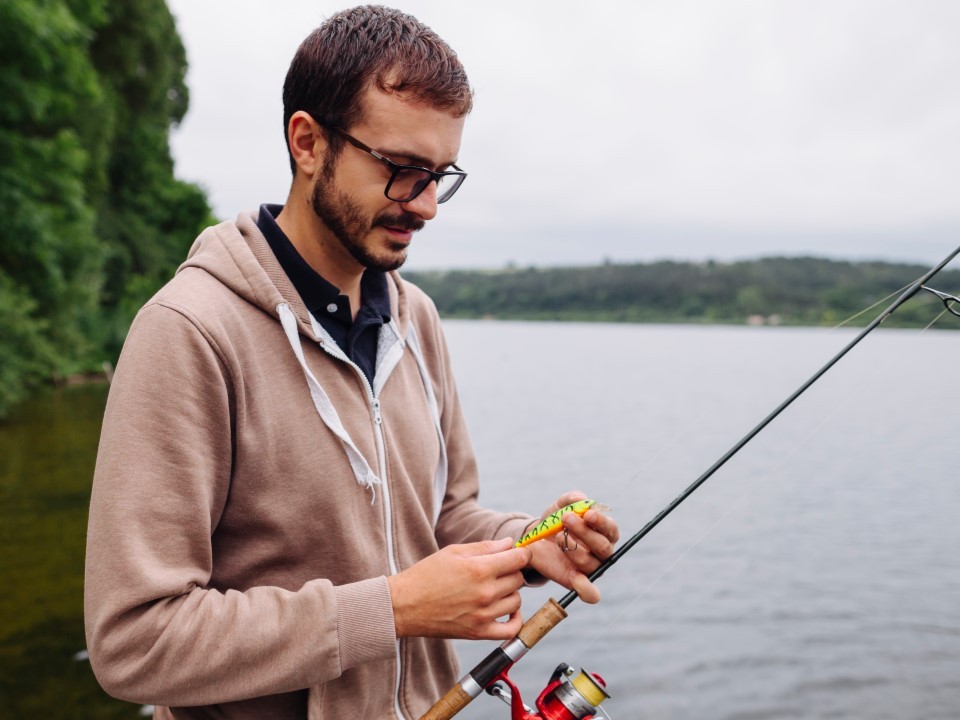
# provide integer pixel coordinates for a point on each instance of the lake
(817, 575)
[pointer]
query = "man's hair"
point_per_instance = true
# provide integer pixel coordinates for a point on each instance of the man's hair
(368, 46)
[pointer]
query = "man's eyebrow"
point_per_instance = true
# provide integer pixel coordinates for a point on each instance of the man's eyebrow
(414, 159)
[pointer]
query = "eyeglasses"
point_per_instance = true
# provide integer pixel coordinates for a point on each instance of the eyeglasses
(950, 302)
(408, 181)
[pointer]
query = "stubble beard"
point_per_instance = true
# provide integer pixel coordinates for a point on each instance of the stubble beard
(344, 218)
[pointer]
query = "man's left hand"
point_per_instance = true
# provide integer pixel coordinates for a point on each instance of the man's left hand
(569, 560)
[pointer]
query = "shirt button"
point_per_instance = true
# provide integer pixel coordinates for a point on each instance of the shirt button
(332, 307)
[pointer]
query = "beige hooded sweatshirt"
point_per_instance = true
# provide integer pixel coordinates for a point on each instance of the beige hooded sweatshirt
(253, 491)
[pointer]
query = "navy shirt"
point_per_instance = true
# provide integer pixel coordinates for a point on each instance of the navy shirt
(357, 338)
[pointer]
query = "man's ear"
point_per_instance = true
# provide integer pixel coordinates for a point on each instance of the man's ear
(307, 143)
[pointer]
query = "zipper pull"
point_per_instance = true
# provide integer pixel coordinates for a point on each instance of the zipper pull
(376, 412)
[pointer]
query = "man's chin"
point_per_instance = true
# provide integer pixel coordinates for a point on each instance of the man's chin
(393, 259)
(393, 263)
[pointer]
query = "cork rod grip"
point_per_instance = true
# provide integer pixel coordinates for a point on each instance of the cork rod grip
(543, 621)
(533, 630)
(449, 705)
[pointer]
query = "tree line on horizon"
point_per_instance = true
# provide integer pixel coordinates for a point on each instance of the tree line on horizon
(773, 290)
(95, 220)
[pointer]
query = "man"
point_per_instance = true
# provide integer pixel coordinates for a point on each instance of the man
(284, 520)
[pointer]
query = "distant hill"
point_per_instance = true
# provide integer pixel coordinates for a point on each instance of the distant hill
(775, 290)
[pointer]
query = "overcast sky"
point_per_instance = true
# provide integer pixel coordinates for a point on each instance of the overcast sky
(623, 131)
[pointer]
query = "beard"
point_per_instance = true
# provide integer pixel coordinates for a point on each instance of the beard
(344, 218)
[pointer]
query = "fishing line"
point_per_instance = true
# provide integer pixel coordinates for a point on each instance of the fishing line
(643, 470)
(757, 481)
(942, 313)
(878, 303)
(649, 463)
(683, 431)
(753, 486)
(876, 322)
(495, 665)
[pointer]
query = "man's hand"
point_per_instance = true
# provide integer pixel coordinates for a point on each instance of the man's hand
(593, 536)
(460, 591)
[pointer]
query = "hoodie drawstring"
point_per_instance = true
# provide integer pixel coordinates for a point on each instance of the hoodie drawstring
(321, 401)
(361, 469)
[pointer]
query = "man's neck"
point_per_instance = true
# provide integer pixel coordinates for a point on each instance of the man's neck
(321, 250)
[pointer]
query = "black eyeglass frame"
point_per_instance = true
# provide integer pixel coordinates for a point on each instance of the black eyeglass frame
(950, 302)
(397, 168)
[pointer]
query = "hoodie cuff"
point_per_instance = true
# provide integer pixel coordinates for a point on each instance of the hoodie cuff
(365, 622)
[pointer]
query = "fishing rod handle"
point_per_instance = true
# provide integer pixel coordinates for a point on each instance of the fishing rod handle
(542, 622)
(474, 682)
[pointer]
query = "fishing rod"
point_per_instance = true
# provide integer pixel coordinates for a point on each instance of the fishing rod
(572, 696)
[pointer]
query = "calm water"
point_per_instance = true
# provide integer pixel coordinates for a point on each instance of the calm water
(816, 576)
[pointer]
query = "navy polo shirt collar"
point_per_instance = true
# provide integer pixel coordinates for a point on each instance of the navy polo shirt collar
(322, 298)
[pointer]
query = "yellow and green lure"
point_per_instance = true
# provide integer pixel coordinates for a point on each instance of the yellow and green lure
(551, 524)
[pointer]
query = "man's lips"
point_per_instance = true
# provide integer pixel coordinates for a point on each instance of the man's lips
(401, 229)
(401, 224)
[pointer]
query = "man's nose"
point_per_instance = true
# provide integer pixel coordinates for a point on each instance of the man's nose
(424, 204)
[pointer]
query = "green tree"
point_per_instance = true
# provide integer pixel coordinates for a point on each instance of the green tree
(146, 218)
(94, 220)
(50, 128)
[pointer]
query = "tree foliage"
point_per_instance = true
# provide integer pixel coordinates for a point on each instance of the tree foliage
(94, 219)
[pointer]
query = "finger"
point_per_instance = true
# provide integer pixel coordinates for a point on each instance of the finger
(502, 630)
(603, 524)
(585, 589)
(507, 606)
(567, 498)
(585, 536)
(507, 584)
(507, 562)
(579, 559)
(484, 547)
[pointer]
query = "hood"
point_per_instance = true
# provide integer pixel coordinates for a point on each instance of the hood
(238, 255)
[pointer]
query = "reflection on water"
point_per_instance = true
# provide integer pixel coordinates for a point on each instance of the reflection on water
(47, 452)
(815, 576)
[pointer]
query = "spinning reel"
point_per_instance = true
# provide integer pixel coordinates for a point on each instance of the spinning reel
(571, 694)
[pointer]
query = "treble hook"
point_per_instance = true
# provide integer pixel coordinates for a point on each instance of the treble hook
(566, 542)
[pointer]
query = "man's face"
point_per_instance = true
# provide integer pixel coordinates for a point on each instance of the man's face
(348, 193)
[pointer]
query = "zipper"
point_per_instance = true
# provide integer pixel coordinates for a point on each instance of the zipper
(374, 403)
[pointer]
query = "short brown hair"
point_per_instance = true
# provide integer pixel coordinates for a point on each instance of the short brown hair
(364, 45)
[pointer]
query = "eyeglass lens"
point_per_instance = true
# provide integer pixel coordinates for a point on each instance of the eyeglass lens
(407, 184)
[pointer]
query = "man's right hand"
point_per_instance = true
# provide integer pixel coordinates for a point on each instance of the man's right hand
(460, 591)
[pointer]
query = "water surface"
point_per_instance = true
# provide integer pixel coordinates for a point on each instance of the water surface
(816, 576)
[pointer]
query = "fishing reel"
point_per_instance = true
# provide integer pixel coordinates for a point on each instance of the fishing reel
(571, 694)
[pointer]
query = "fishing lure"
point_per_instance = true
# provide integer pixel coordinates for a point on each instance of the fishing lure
(551, 524)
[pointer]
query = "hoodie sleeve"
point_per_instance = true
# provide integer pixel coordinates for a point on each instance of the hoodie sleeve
(156, 632)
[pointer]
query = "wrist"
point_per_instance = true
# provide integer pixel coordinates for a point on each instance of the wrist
(395, 585)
